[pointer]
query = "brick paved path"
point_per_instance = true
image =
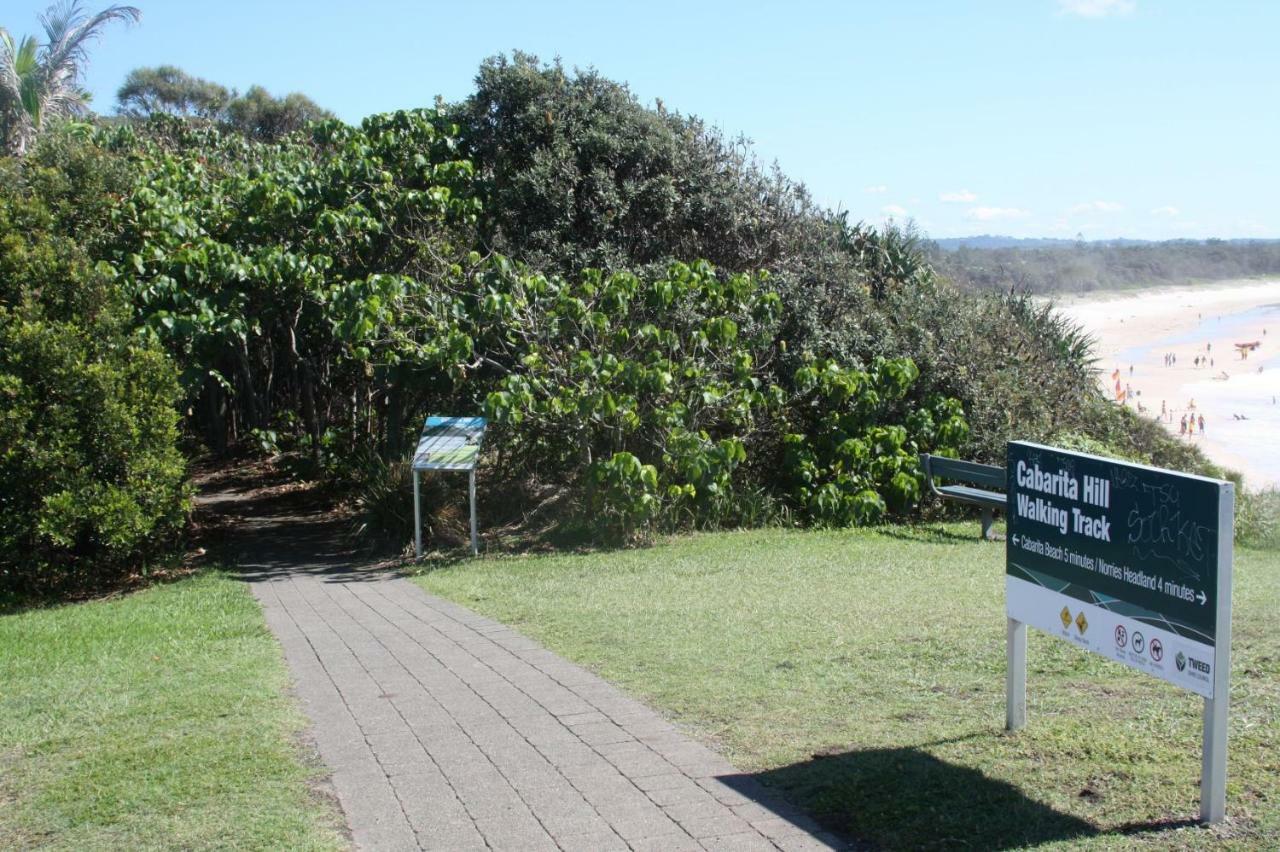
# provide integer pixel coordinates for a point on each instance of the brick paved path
(446, 730)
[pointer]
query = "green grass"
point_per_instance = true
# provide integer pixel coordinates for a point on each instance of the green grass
(863, 673)
(158, 720)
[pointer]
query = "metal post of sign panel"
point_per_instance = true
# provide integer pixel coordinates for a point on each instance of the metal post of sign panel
(471, 493)
(1213, 767)
(417, 516)
(1016, 677)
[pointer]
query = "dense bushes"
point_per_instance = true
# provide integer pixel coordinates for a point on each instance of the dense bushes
(655, 398)
(93, 480)
(288, 279)
(321, 292)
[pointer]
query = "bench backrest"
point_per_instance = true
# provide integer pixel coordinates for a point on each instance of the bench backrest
(941, 467)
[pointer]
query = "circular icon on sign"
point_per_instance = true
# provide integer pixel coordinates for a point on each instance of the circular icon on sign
(1122, 636)
(1138, 642)
(1156, 649)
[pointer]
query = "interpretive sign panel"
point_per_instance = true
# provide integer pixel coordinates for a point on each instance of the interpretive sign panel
(449, 443)
(1121, 559)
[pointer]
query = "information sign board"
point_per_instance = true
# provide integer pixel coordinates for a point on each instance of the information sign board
(447, 443)
(1131, 562)
(1118, 558)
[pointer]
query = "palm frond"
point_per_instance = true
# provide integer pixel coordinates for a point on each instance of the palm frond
(69, 32)
(9, 81)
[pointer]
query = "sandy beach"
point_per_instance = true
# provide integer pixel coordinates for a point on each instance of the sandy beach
(1239, 397)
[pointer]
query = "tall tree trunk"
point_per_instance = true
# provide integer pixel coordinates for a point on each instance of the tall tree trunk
(306, 378)
(215, 426)
(394, 421)
(252, 412)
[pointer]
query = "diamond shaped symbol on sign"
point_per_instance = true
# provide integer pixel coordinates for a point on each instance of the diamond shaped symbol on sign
(1065, 615)
(1082, 623)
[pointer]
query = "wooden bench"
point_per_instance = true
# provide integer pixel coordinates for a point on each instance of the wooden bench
(979, 478)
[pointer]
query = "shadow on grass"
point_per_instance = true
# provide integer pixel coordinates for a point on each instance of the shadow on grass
(935, 534)
(906, 798)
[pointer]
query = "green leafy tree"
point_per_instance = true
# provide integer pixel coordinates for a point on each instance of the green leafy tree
(40, 82)
(259, 115)
(168, 90)
(290, 279)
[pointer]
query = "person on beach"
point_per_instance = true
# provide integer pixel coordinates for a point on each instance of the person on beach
(1201, 424)
(1182, 430)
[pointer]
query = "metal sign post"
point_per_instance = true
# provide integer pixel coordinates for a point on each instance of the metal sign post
(1130, 562)
(447, 443)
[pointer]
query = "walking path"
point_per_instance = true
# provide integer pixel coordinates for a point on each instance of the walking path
(447, 730)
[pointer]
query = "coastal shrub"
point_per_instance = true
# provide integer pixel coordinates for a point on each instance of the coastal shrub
(575, 172)
(93, 479)
(650, 396)
(642, 392)
(320, 292)
(286, 278)
(851, 464)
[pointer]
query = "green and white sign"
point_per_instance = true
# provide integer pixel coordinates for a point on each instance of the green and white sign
(1130, 562)
(1117, 558)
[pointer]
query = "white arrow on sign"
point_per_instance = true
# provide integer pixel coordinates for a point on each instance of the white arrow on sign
(1015, 541)
(1202, 598)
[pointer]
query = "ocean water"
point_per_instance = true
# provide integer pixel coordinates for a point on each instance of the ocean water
(1213, 327)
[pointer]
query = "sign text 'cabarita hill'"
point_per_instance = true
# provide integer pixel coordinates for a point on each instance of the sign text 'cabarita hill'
(1092, 491)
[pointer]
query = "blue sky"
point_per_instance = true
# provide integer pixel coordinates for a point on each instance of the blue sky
(1134, 118)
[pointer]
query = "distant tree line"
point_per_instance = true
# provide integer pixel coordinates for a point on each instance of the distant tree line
(1085, 267)
(166, 90)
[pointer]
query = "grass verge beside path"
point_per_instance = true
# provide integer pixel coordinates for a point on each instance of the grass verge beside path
(155, 720)
(863, 673)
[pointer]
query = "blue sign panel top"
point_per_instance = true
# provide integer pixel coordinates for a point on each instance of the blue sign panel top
(449, 443)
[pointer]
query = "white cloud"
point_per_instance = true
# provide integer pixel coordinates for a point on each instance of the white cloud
(1096, 8)
(992, 214)
(1167, 210)
(877, 189)
(964, 196)
(894, 211)
(1097, 207)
